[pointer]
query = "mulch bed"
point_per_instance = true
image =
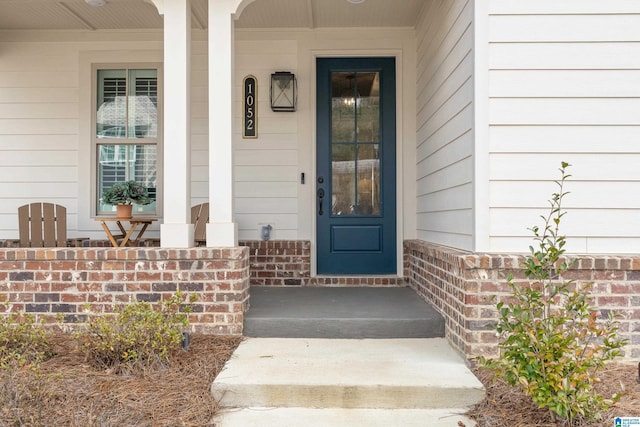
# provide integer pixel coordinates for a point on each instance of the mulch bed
(505, 406)
(66, 391)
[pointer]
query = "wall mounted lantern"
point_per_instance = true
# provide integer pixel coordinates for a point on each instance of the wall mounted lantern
(284, 91)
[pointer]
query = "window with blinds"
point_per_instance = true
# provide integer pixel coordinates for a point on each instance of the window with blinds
(126, 132)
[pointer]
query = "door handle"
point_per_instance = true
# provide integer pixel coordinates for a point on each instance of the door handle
(320, 198)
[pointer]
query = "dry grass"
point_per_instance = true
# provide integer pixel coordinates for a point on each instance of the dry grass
(505, 406)
(66, 391)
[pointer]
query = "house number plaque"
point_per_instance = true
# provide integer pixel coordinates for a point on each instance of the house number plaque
(250, 117)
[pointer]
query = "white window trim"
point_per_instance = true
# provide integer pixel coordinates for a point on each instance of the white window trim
(94, 140)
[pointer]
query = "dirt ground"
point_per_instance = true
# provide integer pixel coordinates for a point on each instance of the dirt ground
(505, 406)
(66, 391)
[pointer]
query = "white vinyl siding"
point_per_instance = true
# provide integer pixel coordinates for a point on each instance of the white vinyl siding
(445, 124)
(266, 168)
(45, 136)
(38, 127)
(564, 85)
(46, 109)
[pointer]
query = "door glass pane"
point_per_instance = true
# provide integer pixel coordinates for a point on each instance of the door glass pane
(368, 107)
(368, 179)
(343, 183)
(355, 118)
(343, 107)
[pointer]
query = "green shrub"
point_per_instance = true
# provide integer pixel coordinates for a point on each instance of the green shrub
(552, 341)
(23, 341)
(139, 335)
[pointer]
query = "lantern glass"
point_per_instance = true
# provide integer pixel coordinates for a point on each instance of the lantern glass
(283, 91)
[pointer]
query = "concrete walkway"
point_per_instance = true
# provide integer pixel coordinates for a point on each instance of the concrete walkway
(345, 382)
(332, 417)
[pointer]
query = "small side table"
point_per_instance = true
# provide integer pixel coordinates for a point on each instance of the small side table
(125, 235)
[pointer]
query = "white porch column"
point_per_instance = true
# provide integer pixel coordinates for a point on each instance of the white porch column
(177, 231)
(222, 231)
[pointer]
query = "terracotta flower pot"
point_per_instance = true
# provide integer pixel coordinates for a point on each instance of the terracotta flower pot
(124, 211)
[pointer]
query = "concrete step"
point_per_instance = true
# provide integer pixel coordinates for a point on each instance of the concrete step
(340, 312)
(348, 374)
(336, 417)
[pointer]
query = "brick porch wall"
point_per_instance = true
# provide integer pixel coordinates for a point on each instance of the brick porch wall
(52, 281)
(288, 263)
(279, 262)
(460, 285)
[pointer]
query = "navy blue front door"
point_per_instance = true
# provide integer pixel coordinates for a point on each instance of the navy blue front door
(356, 166)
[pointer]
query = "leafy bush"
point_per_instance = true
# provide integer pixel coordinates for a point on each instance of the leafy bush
(22, 341)
(552, 342)
(139, 335)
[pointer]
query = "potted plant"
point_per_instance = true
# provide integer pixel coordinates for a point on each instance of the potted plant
(124, 194)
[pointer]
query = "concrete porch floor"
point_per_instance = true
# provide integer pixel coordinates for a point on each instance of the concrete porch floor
(340, 312)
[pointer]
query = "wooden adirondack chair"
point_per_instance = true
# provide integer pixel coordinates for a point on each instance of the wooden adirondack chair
(42, 225)
(199, 219)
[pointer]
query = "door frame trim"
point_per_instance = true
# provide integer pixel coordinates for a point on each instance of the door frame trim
(397, 54)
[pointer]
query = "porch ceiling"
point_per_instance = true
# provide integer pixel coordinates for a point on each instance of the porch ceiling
(141, 14)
